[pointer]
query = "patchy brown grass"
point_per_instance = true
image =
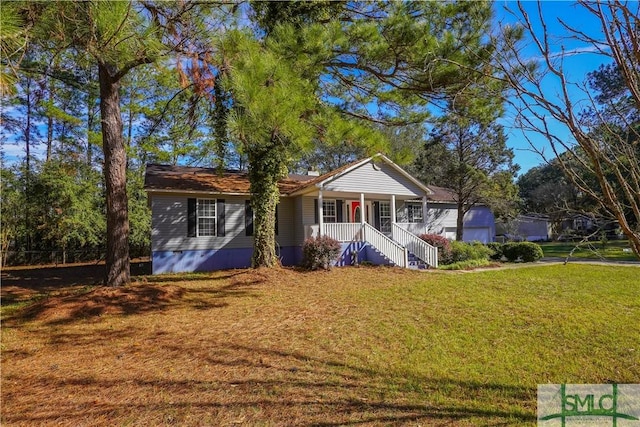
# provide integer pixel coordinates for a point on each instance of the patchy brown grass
(274, 347)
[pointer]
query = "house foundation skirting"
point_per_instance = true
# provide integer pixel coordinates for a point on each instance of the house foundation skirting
(364, 252)
(187, 261)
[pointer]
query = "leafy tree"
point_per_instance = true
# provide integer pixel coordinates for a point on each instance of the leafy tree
(275, 115)
(12, 206)
(139, 213)
(470, 157)
(117, 36)
(164, 121)
(546, 190)
(68, 198)
(605, 145)
(12, 40)
(399, 57)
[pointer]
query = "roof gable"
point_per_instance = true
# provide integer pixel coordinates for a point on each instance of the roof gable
(376, 174)
(374, 177)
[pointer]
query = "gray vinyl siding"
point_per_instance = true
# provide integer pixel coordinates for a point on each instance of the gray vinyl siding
(286, 222)
(381, 179)
(298, 221)
(308, 214)
(440, 216)
(169, 224)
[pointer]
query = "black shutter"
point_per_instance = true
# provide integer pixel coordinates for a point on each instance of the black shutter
(376, 215)
(276, 224)
(191, 217)
(339, 215)
(248, 218)
(220, 220)
(315, 211)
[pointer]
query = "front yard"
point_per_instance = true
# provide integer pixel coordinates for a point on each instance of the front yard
(374, 346)
(613, 250)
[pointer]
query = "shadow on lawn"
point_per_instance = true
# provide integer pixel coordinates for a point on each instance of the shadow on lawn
(252, 385)
(50, 277)
(88, 302)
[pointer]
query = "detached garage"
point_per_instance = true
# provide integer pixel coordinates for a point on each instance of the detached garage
(481, 234)
(479, 224)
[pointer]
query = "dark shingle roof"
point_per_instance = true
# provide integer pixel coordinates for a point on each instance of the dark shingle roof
(169, 177)
(441, 194)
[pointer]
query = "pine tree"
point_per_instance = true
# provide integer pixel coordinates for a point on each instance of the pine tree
(117, 36)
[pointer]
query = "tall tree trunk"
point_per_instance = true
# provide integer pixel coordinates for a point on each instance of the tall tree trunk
(460, 221)
(27, 172)
(50, 87)
(130, 121)
(91, 114)
(115, 175)
(265, 168)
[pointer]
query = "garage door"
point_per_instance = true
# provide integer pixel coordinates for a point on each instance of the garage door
(481, 234)
(450, 233)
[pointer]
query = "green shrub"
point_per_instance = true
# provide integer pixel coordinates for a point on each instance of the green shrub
(530, 252)
(442, 243)
(320, 252)
(466, 265)
(461, 251)
(496, 247)
(510, 251)
(524, 251)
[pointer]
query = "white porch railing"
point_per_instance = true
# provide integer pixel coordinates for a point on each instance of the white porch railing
(413, 243)
(416, 228)
(392, 250)
(344, 231)
(355, 232)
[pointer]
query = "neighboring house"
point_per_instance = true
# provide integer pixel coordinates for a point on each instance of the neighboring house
(526, 227)
(202, 219)
(578, 224)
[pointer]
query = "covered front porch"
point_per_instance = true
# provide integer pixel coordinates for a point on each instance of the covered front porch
(389, 223)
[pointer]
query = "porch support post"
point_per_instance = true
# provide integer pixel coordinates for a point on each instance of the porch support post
(393, 209)
(362, 218)
(320, 219)
(424, 214)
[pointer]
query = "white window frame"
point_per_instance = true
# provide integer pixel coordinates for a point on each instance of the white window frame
(385, 220)
(411, 218)
(328, 218)
(214, 217)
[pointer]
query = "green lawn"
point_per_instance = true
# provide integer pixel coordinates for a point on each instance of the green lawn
(612, 250)
(372, 346)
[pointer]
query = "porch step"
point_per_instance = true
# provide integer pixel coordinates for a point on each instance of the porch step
(416, 263)
(417, 266)
(383, 256)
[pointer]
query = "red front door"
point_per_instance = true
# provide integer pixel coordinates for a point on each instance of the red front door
(356, 212)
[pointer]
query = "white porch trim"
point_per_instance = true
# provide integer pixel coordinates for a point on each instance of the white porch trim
(320, 214)
(393, 209)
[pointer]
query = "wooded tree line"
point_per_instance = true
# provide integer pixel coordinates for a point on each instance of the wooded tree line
(102, 88)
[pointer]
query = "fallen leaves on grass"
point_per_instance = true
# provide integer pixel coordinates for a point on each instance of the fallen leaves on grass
(370, 346)
(100, 301)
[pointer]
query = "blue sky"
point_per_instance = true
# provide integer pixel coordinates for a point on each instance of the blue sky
(577, 65)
